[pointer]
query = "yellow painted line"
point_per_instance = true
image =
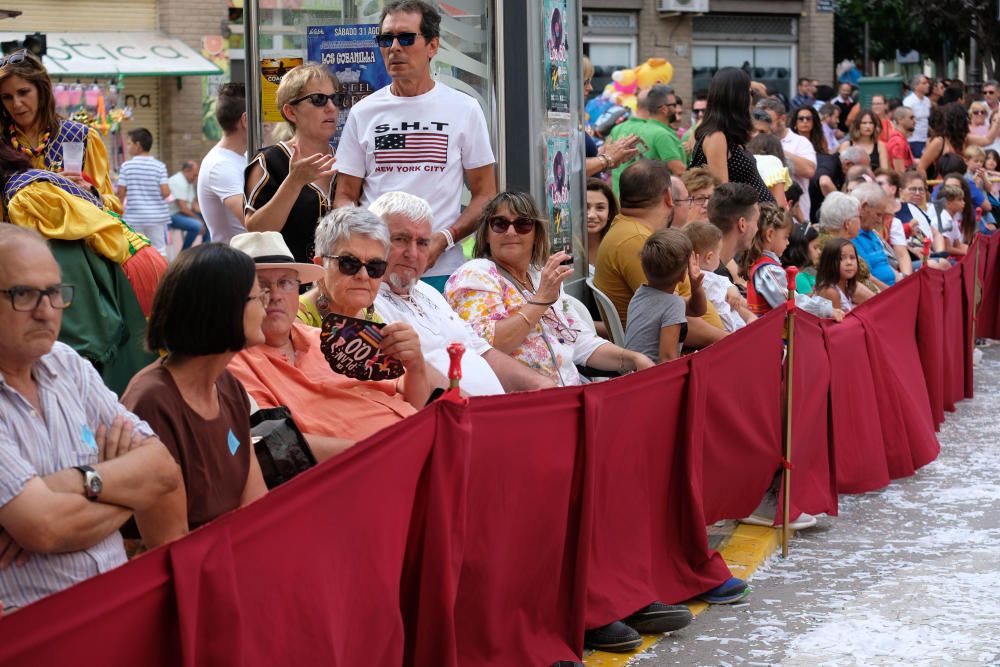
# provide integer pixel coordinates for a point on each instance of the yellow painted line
(744, 551)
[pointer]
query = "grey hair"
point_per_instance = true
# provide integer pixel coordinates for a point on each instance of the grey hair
(411, 207)
(657, 97)
(869, 193)
(338, 225)
(837, 209)
(915, 81)
(855, 155)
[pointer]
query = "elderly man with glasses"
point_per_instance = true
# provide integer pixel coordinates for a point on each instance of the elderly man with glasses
(419, 136)
(74, 463)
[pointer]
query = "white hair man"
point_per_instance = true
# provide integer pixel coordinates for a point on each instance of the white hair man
(875, 209)
(403, 297)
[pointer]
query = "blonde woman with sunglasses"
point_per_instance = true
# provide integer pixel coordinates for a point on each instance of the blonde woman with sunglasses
(289, 186)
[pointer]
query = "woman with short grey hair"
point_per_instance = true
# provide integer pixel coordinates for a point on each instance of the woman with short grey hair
(351, 244)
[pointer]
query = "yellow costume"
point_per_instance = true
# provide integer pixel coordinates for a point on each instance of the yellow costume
(95, 158)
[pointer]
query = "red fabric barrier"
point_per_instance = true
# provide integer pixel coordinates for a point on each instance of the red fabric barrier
(930, 340)
(857, 430)
(954, 338)
(736, 470)
(814, 482)
(522, 591)
(988, 315)
(648, 539)
(890, 324)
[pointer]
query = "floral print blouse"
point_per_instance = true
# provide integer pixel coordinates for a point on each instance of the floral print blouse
(482, 296)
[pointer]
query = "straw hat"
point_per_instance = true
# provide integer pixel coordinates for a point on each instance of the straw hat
(269, 251)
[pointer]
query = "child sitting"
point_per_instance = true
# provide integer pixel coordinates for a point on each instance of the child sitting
(837, 275)
(767, 286)
(706, 241)
(657, 318)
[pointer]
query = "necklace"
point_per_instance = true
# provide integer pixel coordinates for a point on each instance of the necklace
(28, 150)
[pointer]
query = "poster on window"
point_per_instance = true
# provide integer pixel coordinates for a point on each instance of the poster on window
(351, 53)
(556, 57)
(272, 70)
(557, 204)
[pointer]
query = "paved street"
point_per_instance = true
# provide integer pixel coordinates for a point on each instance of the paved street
(909, 575)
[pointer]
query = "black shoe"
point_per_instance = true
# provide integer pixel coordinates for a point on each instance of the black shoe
(615, 637)
(658, 618)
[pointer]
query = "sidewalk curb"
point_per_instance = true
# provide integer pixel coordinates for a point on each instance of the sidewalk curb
(744, 550)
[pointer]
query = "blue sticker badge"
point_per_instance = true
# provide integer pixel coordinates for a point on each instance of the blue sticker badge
(234, 443)
(88, 437)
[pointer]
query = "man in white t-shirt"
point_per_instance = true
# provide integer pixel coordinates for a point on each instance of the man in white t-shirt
(185, 214)
(418, 136)
(403, 296)
(798, 149)
(921, 106)
(220, 180)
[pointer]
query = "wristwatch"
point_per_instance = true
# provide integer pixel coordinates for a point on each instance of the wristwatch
(92, 482)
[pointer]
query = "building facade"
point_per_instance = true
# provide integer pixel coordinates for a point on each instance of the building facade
(779, 40)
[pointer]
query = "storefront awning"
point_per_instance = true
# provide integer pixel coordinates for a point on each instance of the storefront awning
(113, 54)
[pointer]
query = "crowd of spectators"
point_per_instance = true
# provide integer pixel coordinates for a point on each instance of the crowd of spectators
(688, 233)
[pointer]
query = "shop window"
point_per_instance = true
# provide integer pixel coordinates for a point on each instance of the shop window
(771, 65)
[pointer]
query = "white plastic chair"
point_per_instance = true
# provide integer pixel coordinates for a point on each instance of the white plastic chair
(608, 313)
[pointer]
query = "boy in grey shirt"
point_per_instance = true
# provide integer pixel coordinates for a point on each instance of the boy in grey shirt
(657, 318)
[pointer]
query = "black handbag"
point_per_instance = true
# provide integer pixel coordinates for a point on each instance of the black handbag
(281, 449)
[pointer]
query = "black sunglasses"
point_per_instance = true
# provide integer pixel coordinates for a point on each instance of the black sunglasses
(501, 225)
(14, 58)
(320, 99)
(349, 265)
(385, 39)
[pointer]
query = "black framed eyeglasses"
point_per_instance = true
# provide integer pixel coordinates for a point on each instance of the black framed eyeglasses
(26, 299)
(501, 225)
(320, 99)
(385, 39)
(14, 58)
(350, 265)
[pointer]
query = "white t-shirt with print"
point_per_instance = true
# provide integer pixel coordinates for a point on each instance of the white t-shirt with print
(421, 145)
(220, 178)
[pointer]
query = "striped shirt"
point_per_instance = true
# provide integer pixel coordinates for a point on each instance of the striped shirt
(144, 202)
(74, 403)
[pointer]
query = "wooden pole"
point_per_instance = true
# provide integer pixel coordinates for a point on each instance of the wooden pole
(791, 273)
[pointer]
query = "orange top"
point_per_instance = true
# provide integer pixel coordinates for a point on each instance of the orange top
(321, 402)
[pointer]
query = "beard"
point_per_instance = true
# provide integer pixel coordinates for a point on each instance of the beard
(400, 283)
